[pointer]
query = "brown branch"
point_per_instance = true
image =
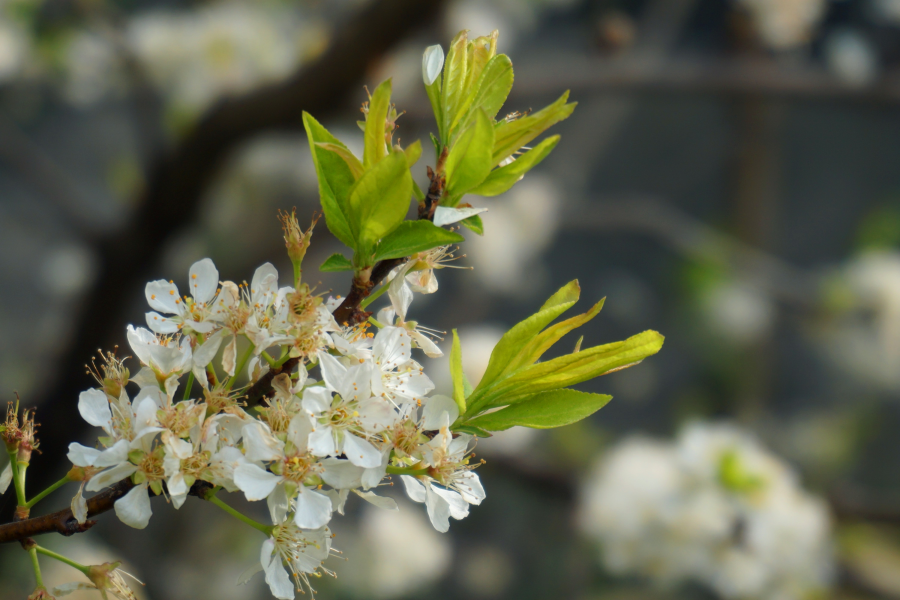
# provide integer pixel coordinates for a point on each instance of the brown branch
(263, 387)
(177, 182)
(63, 522)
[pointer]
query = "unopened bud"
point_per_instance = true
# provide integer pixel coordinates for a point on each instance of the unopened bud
(432, 63)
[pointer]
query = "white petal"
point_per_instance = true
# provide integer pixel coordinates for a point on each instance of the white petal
(264, 284)
(161, 324)
(94, 408)
(432, 62)
(177, 447)
(255, 482)
(140, 340)
(230, 356)
(79, 506)
(376, 415)
(204, 353)
(248, 574)
(133, 508)
(379, 501)
(279, 504)
(204, 279)
(163, 296)
(276, 575)
(5, 478)
(341, 474)
(110, 476)
(333, 372)
(415, 489)
(426, 344)
(260, 444)
(321, 441)
(178, 489)
(438, 510)
(316, 399)
(80, 456)
(67, 588)
(434, 409)
(400, 294)
(445, 216)
(313, 509)
(114, 455)
(299, 429)
(392, 347)
(361, 452)
(459, 508)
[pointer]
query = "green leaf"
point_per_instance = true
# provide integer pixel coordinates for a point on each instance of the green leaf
(545, 410)
(413, 152)
(437, 147)
(514, 339)
(479, 52)
(415, 236)
(532, 351)
(456, 373)
(569, 370)
(335, 180)
(469, 162)
(452, 92)
(505, 177)
(492, 88)
(376, 120)
(474, 223)
(356, 167)
(379, 202)
(477, 431)
(417, 192)
(509, 136)
(336, 262)
(434, 97)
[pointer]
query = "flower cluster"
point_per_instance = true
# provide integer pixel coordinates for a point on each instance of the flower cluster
(715, 508)
(305, 448)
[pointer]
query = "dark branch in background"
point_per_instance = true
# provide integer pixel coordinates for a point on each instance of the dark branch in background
(63, 522)
(176, 184)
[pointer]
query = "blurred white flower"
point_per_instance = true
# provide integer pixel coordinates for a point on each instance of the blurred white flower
(715, 508)
(866, 338)
(518, 228)
(739, 311)
(785, 24)
(222, 48)
(851, 57)
(394, 553)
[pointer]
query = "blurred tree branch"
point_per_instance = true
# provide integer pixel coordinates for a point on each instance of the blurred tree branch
(175, 186)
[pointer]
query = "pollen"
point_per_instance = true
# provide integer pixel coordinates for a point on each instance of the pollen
(171, 292)
(153, 296)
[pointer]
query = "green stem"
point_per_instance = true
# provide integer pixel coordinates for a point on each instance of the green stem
(374, 296)
(297, 272)
(63, 559)
(405, 471)
(272, 362)
(47, 492)
(36, 566)
(376, 323)
(14, 466)
(241, 366)
(241, 516)
(188, 386)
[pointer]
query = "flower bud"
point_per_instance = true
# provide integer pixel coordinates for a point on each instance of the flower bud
(432, 63)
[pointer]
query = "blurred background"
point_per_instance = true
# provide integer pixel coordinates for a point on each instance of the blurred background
(729, 178)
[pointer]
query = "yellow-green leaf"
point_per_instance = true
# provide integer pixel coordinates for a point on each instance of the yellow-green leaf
(500, 180)
(356, 167)
(379, 202)
(509, 136)
(335, 180)
(469, 161)
(376, 120)
(452, 91)
(545, 410)
(456, 374)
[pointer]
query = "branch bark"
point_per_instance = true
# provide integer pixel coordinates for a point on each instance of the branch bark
(171, 200)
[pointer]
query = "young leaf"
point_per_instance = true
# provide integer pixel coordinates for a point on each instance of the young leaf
(514, 339)
(335, 180)
(376, 120)
(480, 52)
(474, 224)
(356, 167)
(509, 136)
(336, 262)
(568, 370)
(379, 201)
(455, 70)
(456, 373)
(414, 236)
(476, 431)
(413, 152)
(545, 410)
(469, 162)
(500, 180)
(432, 63)
(492, 88)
